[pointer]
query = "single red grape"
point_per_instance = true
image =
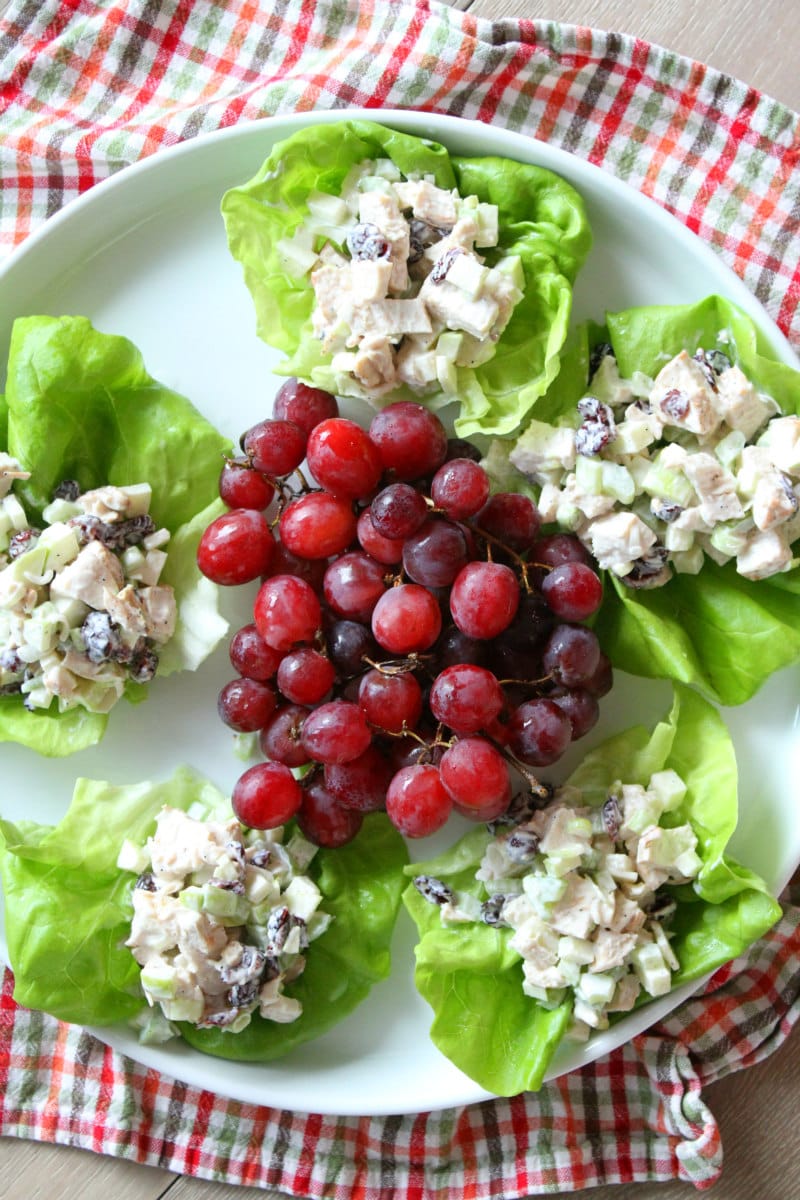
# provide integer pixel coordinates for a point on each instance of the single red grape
(240, 486)
(336, 732)
(280, 739)
(416, 800)
(435, 554)
(391, 702)
(602, 679)
(305, 676)
(476, 777)
(411, 440)
(324, 821)
(512, 518)
(353, 585)
(383, 550)
(251, 656)
(236, 547)
(484, 599)
(406, 619)
(571, 655)
(317, 525)
(539, 732)
(460, 488)
(361, 783)
(349, 643)
(286, 611)
(305, 406)
(286, 563)
(266, 796)
(466, 698)
(342, 458)
(559, 548)
(573, 591)
(275, 447)
(398, 511)
(581, 707)
(246, 705)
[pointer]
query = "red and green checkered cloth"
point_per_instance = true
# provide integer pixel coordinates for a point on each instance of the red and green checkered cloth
(88, 87)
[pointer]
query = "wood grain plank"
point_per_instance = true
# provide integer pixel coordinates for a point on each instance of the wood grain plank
(749, 40)
(34, 1171)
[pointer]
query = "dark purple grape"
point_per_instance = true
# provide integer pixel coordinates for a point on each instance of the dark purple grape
(435, 554)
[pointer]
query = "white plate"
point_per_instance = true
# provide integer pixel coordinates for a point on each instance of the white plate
(144, 254)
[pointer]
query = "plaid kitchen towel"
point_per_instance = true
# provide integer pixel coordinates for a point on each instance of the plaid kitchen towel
(88, 87)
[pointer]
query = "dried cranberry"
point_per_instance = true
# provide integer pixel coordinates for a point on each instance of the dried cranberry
(598, 427)
(443, 264)
(24, 540)
(666, 510)
(433, 890)
(144, 664)
(366, 242)
(68, 489)
(612, 817)
(596, 357)
(675, 404)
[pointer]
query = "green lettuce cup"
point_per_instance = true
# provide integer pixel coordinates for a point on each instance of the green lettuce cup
(718, 630)
(80, 405)
(472, 978)
(68, 913)
(541, 219)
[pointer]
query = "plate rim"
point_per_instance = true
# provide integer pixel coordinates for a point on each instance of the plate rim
(552, 157)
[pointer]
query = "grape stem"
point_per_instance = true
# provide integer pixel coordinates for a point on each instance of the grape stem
(397, 666)
(522, 565)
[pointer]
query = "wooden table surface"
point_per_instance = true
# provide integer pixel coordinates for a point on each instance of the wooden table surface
(757, 41)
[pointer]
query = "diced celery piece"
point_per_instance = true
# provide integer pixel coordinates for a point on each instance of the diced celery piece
(260, 886)
(317, 923)
(730, 447)
(488, 231)
(15, 513)
(387, 169)
(668, 484)
(596, 990)
(297, 254)
(631, 437)
(245, 745)
(589, 474)
(132, 857)
(569, 517)
(300, 849)
(688, 562)
(669, 787)
(543, 889)
(192, 897)
(678, 539)
(575, 950)
(448, 345)
(653, 973)
(160, 980)
(447, 375)
(60, 510)
(729, 540)
(618, 482)
(327, 208)
(183, 1008)
(302, 897)
(224, 904)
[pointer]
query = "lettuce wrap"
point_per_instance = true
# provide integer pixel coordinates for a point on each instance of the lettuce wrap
(68, 913)
(483, 1022)
(541, 219)
(80, 405)
(718, 630)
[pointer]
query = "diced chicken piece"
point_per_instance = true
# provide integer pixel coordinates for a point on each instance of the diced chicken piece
(715, 486)
(283, 1010)
(692, 520)
(372, 365)
(517, 911)
(369, 279)
(416, 365)
(104, 672)
(542, 976)
(560, 834)
(160, 611)
(125, 609)
(741, 406)
(59, 681)
(390, 319)
(111, 503)
(332, 292)
(463, 234)
(612, 949)
(88, 577)
(629, 917)
(766, 553)
(774, 500)
(181, 846)
(154, 927)
(456, 311)
(199, 935)
(537, 944)
(578, 910)
(618, 540)
(782, 439)
(626, 994)
(683, 398)
(382, 209)
(467, 272)
(591, 504)
(543, 448)
(428, 203)
(329, 256)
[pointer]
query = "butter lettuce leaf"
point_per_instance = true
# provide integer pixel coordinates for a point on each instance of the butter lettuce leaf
(541, 218)
(68, 913)
(482, 1020)
(81, 405)
(717, 630)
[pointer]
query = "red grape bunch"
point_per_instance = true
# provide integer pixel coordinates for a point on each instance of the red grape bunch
(414, 638)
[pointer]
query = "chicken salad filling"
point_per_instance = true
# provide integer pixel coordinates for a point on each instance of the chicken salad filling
(221, 919)
(82, 608)
(663, 471)
(584, 892)
(402, 293)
